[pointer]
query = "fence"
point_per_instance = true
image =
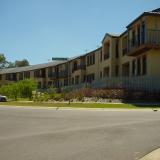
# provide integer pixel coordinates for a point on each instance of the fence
(145, 83)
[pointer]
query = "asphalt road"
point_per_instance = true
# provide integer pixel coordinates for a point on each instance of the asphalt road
(49, 134)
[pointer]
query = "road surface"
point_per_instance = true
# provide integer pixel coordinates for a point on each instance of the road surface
(50, 134)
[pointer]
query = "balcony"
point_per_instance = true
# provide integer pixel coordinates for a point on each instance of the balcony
(82, 67)
(106, 56)
(52, 75)
(63, 74)
(79, 67)
(141, 44)
(124, 51)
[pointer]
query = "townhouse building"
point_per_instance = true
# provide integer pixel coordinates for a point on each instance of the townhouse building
(129, 60)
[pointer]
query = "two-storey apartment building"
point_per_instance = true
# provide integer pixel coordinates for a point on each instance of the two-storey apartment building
(129, 60)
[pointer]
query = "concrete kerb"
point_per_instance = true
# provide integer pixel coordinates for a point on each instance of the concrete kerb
(155, 155)
(72, 108)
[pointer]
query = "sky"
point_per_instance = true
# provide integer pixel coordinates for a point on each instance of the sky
(41, 29)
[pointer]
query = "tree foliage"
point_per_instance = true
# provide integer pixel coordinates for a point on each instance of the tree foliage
(2, 61)
(21, 89)
(21, 63)
(6, 64)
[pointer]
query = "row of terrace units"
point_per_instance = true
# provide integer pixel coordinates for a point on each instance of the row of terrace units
(134, 53)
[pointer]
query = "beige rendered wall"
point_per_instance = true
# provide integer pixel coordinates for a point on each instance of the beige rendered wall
(153, 62)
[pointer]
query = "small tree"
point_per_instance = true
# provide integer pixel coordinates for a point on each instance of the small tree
(21, 63)
(21, 89)
(11, 90)
(26, 87)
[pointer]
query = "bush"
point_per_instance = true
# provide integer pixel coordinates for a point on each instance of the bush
(58, 97)
(21, 89)
(26, 87)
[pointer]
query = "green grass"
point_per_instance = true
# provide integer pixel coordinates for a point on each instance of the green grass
(79, 105)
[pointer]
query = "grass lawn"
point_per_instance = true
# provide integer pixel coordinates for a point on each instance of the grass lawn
(80, 105)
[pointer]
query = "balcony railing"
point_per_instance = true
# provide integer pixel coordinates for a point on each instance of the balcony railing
(63, 74)
(79, 67)
(124, 51)
(106, 56)
(82, 66)
(153, 37)
(52, 75)
(140, 43)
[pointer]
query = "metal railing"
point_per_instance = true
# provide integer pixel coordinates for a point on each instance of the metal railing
(82, 66)
(79, 67)
(152, 37)
(62, 74)
(52, 75)
(139, 83)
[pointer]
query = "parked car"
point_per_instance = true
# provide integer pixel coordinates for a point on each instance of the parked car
(3, 98)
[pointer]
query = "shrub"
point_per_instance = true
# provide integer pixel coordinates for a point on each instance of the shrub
(10, 90)
(21, 89)
(57, 96)
(26, 87)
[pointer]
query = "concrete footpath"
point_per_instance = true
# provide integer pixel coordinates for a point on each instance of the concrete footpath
(155, 155)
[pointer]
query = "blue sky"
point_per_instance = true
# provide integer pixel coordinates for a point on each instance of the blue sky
(40, 29)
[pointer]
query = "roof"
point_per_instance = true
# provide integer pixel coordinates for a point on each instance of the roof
(30, 68)
(155, 12)
(82, 55)
(123, 33)
(110, 35)
(41, 66)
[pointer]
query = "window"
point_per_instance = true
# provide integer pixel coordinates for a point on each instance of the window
(126, 70)
(49, 83)
(143, 27)
(133, 67)
(66, 82)
(72, 81)
(87, 60)
(106, 71)
(0, 77)
(133, 38)
(93, 56)
(75, 66)
(43, 73)
(106, 51)
(37, 74)
(101, 56)
(124, 45)
(90, 78)
(39, 84)
(100, 74)
(83, 79)
(144, 65)
(139, 66)
(27, 74)
(117, 50)
(50, 72)
(117, 71)
(8, 77)
(20, 76)
(76, 79)
(14, 77)
(91, 59)
(138, 35)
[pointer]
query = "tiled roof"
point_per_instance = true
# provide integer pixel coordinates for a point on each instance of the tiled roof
(30, 68)
(111, 35)
(156, 10)
(153, 12)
